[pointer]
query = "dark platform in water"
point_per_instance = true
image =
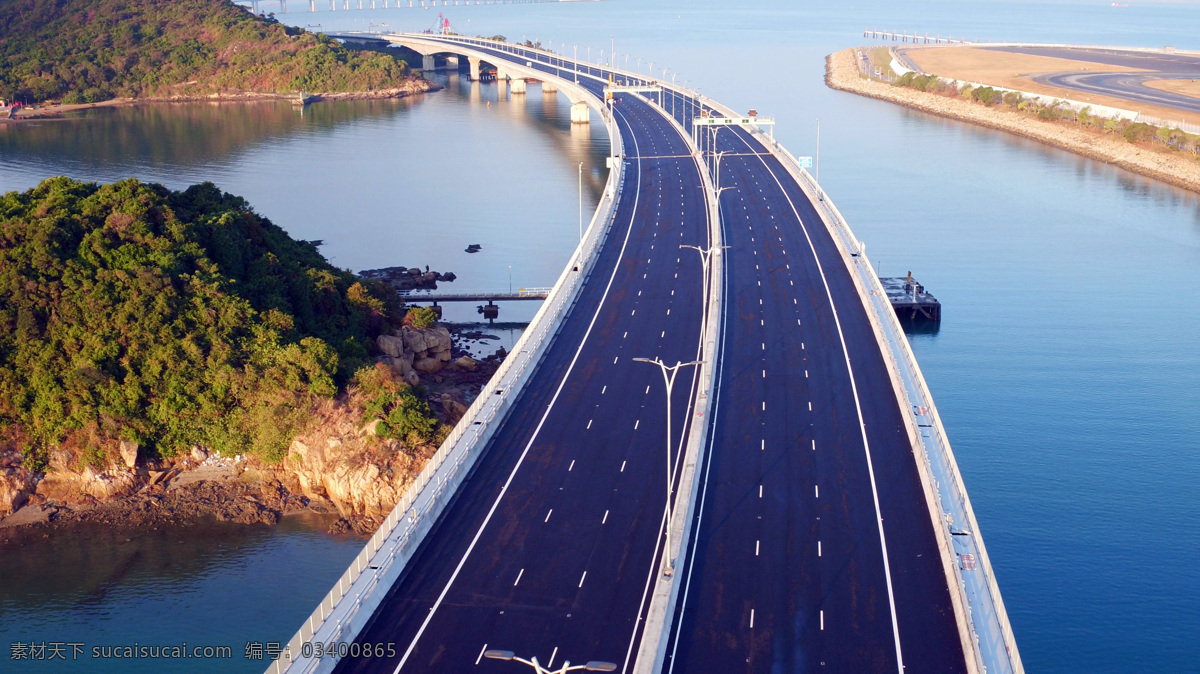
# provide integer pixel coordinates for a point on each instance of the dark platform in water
(910, 300)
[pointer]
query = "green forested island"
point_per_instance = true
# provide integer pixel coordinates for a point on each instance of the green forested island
(131, 311)
(87, 51)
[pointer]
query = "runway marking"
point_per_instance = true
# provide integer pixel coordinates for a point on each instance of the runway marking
(518, 577)
(623, 466)
(605, 517)
(480, 656)
(589, 426)
(548, 516)
(581, 578)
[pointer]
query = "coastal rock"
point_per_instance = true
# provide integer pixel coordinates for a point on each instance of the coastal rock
(107, 484)
(16, 484)
(452, 409)
(430, 347)
(129, 453)
(466, 364)
(390, 345)
(199, 453)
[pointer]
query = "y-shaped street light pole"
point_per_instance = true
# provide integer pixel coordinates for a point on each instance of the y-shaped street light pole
(593, 666)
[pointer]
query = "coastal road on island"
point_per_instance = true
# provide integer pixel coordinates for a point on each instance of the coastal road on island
(813, 546)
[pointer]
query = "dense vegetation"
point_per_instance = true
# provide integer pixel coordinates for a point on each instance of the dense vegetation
(1172, 138)
(130, 311)
(93, 50)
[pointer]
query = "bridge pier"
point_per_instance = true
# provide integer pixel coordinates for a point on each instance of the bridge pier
(549, 88)
(427, 62)
(451, 62)
(474, 63)
(580, 113)
(517, 85)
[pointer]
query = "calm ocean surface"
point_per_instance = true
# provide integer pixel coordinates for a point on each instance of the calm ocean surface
(1066, 369)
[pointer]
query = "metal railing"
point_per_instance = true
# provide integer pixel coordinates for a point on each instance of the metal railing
(978, 597)
(422, 501)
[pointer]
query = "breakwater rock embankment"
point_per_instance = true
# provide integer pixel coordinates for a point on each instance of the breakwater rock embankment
(842, 73)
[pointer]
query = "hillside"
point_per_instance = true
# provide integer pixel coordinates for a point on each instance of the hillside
(173, 319)
(86, 51)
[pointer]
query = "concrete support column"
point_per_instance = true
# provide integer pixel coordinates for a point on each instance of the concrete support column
(474, 63)
(549, 87)
(452, 63)
(518, 86)
(580, 113)
(427, 63)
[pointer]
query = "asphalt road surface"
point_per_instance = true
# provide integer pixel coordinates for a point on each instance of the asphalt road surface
(1125, 85)
(550, 547)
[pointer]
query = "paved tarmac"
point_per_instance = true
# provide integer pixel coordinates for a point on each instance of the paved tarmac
(1129, 86)
(550, 547)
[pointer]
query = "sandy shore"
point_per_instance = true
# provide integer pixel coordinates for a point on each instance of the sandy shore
(1179, 169)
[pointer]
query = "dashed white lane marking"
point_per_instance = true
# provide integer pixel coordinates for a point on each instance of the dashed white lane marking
(763, 447)
(548, 516)
(480, 656)
(764, 374)
(518, 577)
(814, 445)
(764, 346)
(633, 312)
(571, 466)
(810, 406)
(818, 548)
(647, 390)
(751, 618)
(615, 359)
(816, 491)
(668, 312)
(822, 621)
(639, 293)
(765, 406)
(625, 335)
(806, 374)
(589, 426)
(638, 421)
(756, 547)
(664, 333)
(623, 466)
(760, 301)
(581, 578)
(801, 346)
(797, 321)
(605, 517)
(603, 389)
(760, 491)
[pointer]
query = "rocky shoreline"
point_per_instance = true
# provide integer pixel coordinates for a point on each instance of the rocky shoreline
(842, 73)
(414, 86)
(338, 466)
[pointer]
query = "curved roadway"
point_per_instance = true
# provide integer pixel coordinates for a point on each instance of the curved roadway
(813, 547)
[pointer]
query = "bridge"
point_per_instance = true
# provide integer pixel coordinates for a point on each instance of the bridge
(790, 502)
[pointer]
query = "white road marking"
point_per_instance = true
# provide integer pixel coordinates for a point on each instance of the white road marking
(571, 466)
(822, 621)
(806, 374)
(751, 618)
(548, 516)
(605, 517)
(635, 423)
(764, 404)
(814, 445)
(615, 359)
(760, 491)
(633, 312)
(581, 578)
(756, 547)
(518, 577)
(623, 466)
(818, 548)
(480, 656)
(810, 406)
(798, 321)
(603, 389)
(647, 390)
(590, 423)
(764, 445)
(625, 335)
(664, 332)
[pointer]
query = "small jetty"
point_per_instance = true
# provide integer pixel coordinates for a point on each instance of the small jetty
(910, 300)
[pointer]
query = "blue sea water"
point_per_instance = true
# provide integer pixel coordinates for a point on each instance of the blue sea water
(1067, 365)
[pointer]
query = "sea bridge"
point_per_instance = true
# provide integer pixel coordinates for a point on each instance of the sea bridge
(790, 502)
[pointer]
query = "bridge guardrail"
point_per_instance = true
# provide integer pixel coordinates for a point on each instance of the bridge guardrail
(404, 528)
(989, 634)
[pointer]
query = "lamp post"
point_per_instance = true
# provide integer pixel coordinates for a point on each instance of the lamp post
(576, 47)
(668, 563)
(705, 258)
(581, 216)
(592, 666)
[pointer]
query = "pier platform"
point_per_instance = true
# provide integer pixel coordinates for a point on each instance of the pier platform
(910, 300)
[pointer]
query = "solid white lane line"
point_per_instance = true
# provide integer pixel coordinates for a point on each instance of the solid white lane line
(520, 460)
(548, 516)
(518, 577)
(480, 656)
(605, 517)
(581, 578)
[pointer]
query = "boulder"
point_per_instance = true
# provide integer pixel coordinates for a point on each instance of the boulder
(453, 409)
(412, 378)
(129, 453)
(428, 365)
(391, 345)
(466, 364)
(199, 453)
(16, 484)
